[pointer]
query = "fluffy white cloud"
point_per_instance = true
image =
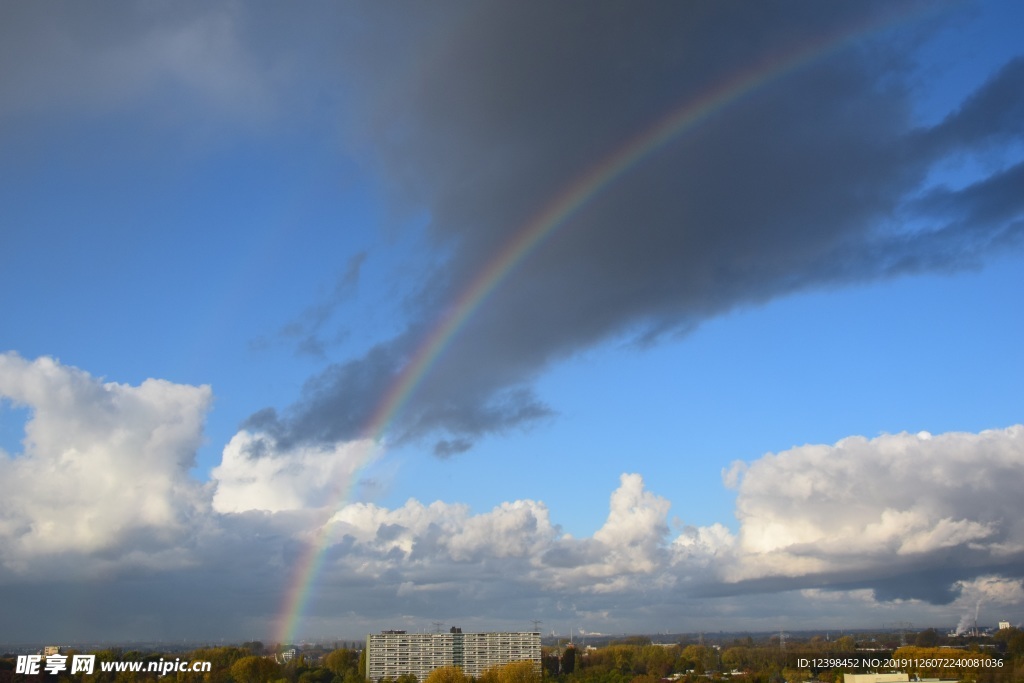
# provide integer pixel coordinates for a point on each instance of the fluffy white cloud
(929, 525)
(442, 532)
(515, 544)
(519, 529)
(102, 463)
(636, 526)
(706, 546)
(627, 553)
(865, 502)
(255, 474)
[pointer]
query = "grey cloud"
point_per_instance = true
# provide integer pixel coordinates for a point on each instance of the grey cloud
(330, 409)
(570, 555)
(447, 448)
(63, 56)
(389, 532)
(794, 186)
(334, 405)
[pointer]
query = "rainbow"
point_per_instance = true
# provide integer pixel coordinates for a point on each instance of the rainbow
(555, 214)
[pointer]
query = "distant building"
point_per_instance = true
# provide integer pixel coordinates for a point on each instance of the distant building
(1004, 624)
(892, 678)
(390, 654)
(289, 655)
(875, 678)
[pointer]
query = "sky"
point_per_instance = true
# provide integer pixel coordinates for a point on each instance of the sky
(657, 317)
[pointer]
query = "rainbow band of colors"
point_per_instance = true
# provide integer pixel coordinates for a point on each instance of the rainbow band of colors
(555, 214)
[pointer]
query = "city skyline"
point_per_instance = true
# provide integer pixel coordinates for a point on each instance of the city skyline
(326, 319)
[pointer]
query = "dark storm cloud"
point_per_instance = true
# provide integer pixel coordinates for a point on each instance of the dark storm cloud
(488, 116)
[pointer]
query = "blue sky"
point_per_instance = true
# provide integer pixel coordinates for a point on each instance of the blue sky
(280, 206)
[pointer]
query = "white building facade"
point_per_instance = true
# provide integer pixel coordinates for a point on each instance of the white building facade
(391, 654)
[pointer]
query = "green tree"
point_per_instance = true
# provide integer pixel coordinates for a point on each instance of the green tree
(845, 644)
(253, 669)
(518, 672)
(623, 657)
(658, 660)
(317, 675)
(447, 674)
(568, 663)
(341, 661)
(489, 676)
(736, 658)
(1012, 639)
(795, 675)
(923, 654)
(696, 657)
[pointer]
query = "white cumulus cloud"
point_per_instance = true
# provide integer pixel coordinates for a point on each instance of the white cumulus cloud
(929, 524)
(867, 502)
(101, 463)
(256, 474)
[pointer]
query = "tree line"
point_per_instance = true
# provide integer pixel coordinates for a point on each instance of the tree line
(633, 660)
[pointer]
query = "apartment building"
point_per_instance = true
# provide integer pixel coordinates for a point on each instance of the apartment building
(390, 654)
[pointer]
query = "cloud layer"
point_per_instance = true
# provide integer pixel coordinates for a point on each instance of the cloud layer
(101, 493)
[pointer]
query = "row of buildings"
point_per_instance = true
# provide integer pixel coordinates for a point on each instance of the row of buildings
(390, 654)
